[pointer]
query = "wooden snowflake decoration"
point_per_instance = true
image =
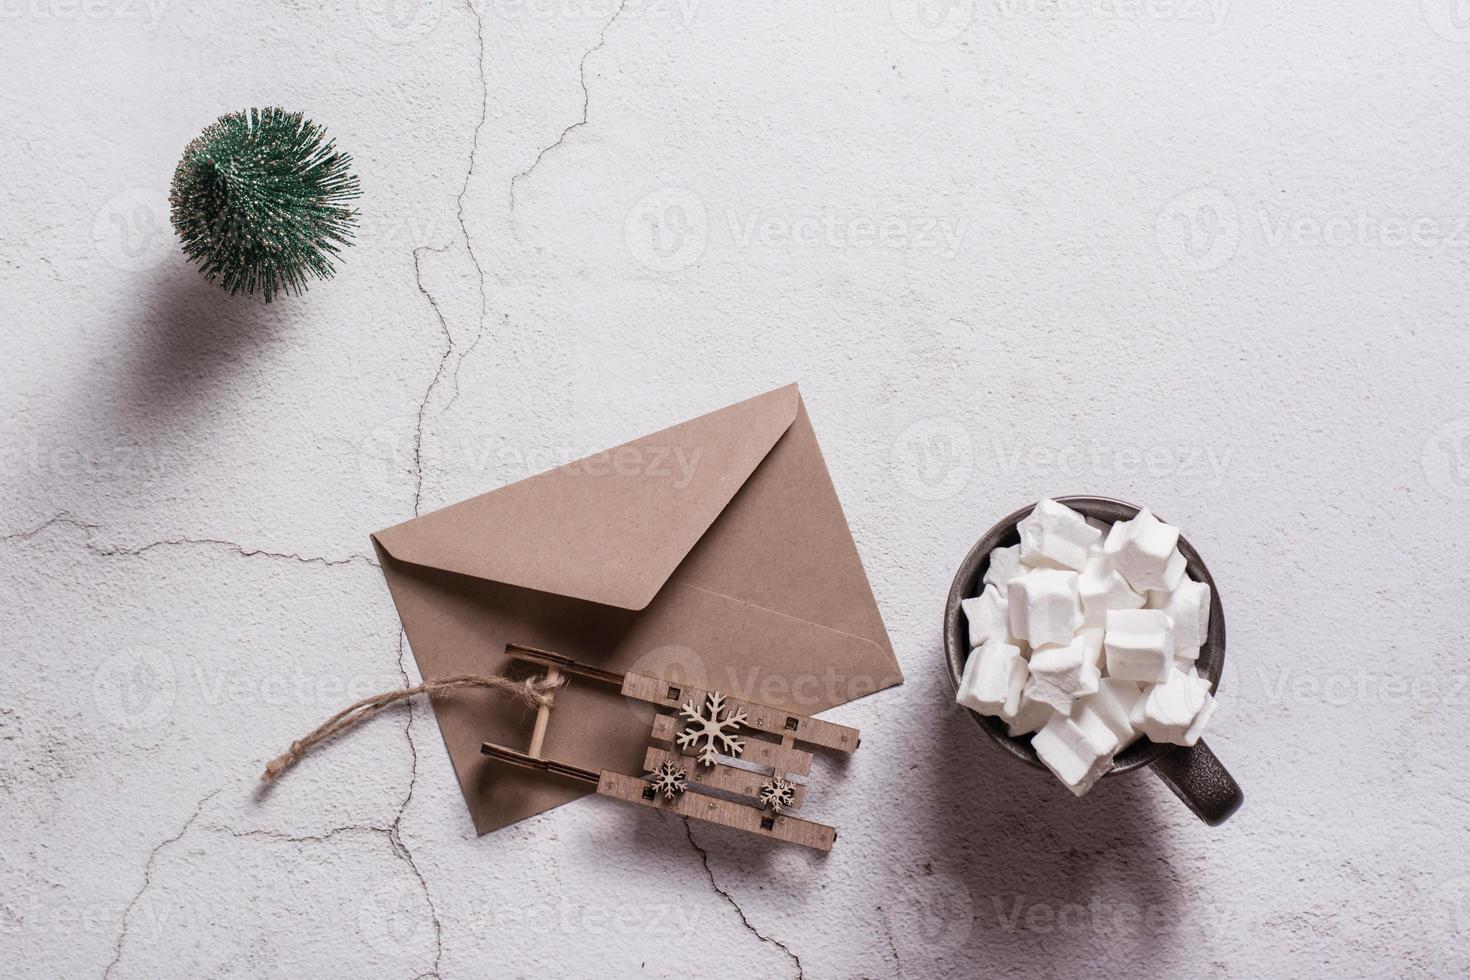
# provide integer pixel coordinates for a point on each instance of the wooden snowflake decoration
(778, 792)
(669, 780)
(717, 732)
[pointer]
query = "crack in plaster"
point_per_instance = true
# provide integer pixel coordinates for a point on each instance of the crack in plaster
(118, 551)
(241, 550)
(395, 841)
(395, 832)
(464, 190)
(586, 102)
(418, 430)
(704, 856)
(62, 518)
(122, 936)
(464, 230)
(390, 833)
(276, 835)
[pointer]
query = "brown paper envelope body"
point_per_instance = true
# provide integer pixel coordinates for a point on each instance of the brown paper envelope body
(713, 553)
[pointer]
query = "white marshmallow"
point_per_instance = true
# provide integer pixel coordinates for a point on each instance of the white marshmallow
(1054, 535)
(1044, 607)
(1092, 645)
(1189, 607)
(1004, 565)
(1102, 588)
(1139, 644)
(995, 675)
(1078, 750)
(1103, 527)
(1113, 704)
(1193, 671)
(1197, 727)
(1062, 674)
(1146, 551)
(1170, 708)
(986, 615)
(1030, 717)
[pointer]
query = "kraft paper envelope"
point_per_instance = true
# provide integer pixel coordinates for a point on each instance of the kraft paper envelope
(713, 553)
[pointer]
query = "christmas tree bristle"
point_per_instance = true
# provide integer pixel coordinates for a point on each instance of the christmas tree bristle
(260, 202)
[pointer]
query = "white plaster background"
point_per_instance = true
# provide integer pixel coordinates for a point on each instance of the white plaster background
(1211, 257)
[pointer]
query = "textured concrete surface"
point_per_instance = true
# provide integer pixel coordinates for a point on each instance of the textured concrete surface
(1208, 255)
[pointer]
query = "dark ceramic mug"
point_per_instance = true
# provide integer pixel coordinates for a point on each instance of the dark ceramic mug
(1191, 771)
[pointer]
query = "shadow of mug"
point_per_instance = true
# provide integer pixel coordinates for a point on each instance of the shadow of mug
(1191, 771)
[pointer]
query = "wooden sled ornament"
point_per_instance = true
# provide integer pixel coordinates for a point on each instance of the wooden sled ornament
(682, 771)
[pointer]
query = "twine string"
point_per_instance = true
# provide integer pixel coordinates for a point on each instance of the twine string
(533, 692)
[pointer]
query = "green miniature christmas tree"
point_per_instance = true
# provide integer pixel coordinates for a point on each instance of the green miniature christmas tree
(259, 202)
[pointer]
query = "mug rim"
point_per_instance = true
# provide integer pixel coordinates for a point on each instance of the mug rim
(971, 572)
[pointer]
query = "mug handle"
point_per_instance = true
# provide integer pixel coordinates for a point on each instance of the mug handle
(1197, 778)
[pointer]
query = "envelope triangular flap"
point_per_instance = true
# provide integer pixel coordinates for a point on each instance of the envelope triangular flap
(610, 528)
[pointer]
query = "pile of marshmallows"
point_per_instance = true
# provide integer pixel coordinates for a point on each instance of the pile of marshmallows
(1089, 643)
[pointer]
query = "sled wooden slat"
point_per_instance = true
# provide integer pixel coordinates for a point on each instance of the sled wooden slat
(730, 779)
(772, 755)
(761, 717)
(726, 813)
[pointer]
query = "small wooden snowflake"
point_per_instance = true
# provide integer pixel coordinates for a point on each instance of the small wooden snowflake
(717, 732)
(778, 792)
(669, 780)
